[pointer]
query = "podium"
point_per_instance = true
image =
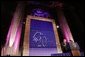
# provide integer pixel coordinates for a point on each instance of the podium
(75, 49)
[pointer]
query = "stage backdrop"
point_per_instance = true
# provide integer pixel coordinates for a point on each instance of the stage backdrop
(42, 38)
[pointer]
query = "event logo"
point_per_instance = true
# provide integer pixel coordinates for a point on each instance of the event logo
(40, 39)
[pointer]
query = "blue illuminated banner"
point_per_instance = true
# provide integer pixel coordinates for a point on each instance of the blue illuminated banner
(42, 34)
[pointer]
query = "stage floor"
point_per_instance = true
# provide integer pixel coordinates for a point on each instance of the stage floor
(42, 51)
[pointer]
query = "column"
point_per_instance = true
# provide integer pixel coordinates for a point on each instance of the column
(65, 29)
(13, 37)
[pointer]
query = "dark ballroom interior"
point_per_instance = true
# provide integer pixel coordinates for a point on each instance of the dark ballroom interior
(73, 12)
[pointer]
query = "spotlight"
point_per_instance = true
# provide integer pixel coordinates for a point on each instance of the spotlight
(57, 26)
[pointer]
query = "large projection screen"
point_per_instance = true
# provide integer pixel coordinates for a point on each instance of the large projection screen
(41, 37)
